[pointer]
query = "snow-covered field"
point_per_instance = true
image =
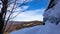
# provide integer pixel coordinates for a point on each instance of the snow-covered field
(31, 30)
(46, 29)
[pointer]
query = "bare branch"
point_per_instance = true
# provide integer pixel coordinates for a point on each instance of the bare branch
(17, 11)
(9, 15)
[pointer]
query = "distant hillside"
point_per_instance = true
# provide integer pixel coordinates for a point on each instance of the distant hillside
(15, 25)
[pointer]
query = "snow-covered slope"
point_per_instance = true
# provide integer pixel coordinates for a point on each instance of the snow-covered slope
(50, 27)
(31, 30)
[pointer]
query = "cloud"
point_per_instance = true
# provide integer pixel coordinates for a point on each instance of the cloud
(23, 1)
(30, 15)
(16, 10)
(29, 0)
(18, 1)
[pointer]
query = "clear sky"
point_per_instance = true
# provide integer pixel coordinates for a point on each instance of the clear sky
(35, 9)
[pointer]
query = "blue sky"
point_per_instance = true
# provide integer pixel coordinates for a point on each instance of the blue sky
(37, 4)
(34, 12)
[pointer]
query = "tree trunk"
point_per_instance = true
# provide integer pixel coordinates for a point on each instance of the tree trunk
(3, 12)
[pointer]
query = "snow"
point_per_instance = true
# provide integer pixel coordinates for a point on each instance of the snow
(31, 30)
(50, 26)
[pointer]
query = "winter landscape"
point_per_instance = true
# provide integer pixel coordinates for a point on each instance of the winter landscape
(29, 16)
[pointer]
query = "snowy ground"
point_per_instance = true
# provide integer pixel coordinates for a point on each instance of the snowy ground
(31, 30)
(46, 29)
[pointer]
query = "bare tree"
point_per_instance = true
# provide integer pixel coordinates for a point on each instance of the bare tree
(2, 14)
(3, 21)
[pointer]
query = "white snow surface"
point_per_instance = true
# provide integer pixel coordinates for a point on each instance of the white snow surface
(48, 28)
